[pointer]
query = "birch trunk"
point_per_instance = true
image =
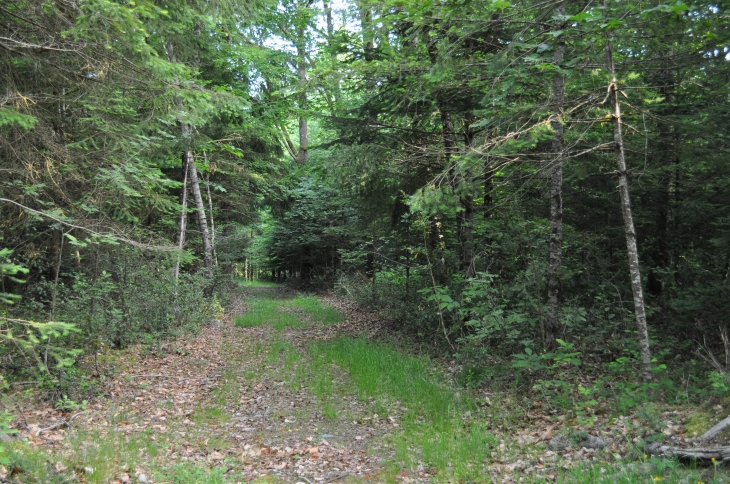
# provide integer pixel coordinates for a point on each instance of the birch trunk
(200, 210)
(192, 172)
(631, 245)
(556, 196)
(212, 220)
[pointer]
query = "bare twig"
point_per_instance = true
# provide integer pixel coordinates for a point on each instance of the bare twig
(59, 424)
(51, 427)
(172, 376)
(116, 237)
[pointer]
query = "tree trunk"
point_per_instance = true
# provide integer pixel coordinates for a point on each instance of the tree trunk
(200, 210)
(467, 203)
(556, 196)
(631, 245)
(303, 153)
(467, 236)
(488, 188)
(328, 15)
(183, 220)
(192, 172)
(366, 24)
(210, 208)
(436, 250)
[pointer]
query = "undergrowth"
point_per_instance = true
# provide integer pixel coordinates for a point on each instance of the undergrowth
(446, 428)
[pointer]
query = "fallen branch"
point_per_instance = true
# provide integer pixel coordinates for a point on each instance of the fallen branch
(715, 430)
(720, 454)
(703, 454)
(336, 478)
(51, 427)
(59, 424)
(172, 376)
(22, 383)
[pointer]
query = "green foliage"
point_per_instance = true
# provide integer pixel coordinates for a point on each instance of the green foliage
(267, 312)
(564, 354)
(310, 232)
(11, 116)
(68, 405)
(136, 304)
(9, 270)
(5, 419)
(443, 425)
(32, 341)
(314, 308)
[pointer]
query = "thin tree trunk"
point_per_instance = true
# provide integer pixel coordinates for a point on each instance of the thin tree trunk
(467, 232)
(668, 158)
(375, 266)
(55, 294)
(212, 221)
(183, 221)
(366, 25)
(56, 275)
(467, 203)
(436, 249)
(200, 210)
(303, 153)
(189, 163)
(328, 15)
(631, 245)
(488, 188)
(556, 196)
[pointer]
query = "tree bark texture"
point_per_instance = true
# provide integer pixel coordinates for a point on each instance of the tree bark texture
(210, 208)
(192, 172)
(200, 210)
(556, 195)
(631, 244)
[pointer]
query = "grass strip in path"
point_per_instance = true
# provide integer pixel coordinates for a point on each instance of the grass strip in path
(442, 426)
(267, 311)
(314, 308)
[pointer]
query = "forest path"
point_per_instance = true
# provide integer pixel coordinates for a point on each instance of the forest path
(239, 401)
(289, 388)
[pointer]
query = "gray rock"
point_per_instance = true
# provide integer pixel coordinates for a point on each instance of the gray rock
(560, 442)
(593, 442)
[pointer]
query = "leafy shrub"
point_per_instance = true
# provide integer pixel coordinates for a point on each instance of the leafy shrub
(143, 304)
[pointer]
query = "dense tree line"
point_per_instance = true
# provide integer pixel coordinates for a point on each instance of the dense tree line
(478, 143)
(496, 175)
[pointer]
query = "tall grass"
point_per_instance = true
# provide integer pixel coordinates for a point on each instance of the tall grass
(266, 311)
(652, 471)
(243, 283)
(436, 420)
(315, 309)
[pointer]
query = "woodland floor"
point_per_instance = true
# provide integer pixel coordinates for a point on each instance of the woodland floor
(242, 404)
